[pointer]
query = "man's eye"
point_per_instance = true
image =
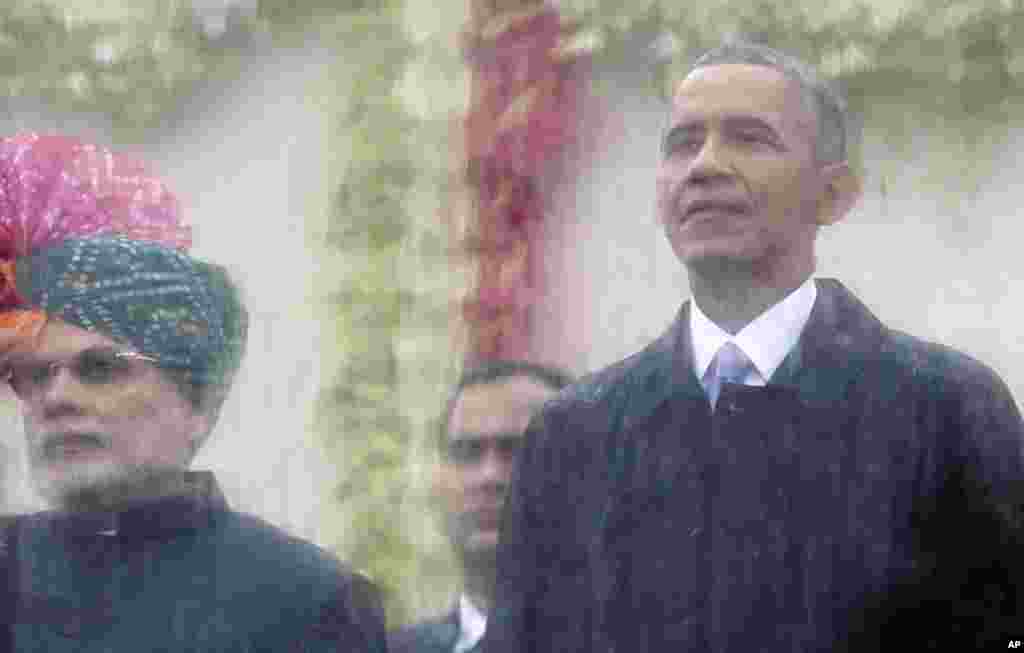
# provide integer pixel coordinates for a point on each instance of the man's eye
(510, 447)
(98, 367)
(755, 138)
(682, 145)
(36, 373)
(465, 451)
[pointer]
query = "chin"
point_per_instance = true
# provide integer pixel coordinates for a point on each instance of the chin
(481, 546)
(484, 541)
(713, 256)
(731, 247)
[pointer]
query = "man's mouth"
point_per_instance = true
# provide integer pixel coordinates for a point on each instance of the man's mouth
(487, 517)
(71, 445)
(712, 208)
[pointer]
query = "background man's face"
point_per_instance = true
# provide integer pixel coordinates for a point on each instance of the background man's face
(738, 178)
(87, 435)
(485, 431)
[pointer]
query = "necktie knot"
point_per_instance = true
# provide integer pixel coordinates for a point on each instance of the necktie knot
(731, 365)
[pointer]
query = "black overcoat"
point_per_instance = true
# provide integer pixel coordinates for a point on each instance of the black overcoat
(181, 574)
(867, 494)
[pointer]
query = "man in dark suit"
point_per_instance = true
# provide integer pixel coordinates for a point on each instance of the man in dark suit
(479, 440)
(130, 350)
(779, 471)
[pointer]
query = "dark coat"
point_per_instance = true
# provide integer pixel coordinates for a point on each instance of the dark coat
(183, 574)
(437, 635)
(865, 495)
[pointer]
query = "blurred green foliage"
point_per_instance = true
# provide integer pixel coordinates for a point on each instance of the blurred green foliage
(399, 81)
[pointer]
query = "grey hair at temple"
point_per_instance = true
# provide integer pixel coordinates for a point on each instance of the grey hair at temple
(821, 97)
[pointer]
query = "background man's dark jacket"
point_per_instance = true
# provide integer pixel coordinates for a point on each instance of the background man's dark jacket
(437, 635)
(183, 574)
(864, 498)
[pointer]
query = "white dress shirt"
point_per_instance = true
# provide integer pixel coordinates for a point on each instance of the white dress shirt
(472, 624)
(766, 341)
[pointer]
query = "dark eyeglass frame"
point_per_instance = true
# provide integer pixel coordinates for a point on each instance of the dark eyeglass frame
(94, 366)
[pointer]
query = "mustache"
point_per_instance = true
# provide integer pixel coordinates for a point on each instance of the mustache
(50, 445)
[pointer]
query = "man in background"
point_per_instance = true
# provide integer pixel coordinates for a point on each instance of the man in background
(479, 440)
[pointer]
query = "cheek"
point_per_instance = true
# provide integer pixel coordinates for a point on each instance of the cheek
(130, 403)
(781, 189)
(667, 178)
(665, 190)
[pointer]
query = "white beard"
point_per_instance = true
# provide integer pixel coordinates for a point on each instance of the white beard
(57, 486)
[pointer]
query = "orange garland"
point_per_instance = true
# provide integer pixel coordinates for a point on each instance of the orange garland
(19, 324)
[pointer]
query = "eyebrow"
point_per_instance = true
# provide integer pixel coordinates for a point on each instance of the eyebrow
(729, 122)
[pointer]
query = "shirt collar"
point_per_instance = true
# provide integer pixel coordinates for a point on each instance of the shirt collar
(766, 340)
(472, 624)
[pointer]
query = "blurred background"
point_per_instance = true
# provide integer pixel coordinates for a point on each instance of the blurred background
(402, 186)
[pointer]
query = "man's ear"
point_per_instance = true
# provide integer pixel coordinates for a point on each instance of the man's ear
(201, 423)
(841, 192)
(442, 484)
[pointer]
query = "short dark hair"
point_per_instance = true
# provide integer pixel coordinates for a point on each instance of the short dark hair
(493, 371)
(821, 96)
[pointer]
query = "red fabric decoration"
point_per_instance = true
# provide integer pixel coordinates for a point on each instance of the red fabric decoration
(56, 187)
(523, 114)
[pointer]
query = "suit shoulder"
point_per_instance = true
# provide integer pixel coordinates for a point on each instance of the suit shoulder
(647, 366)
(939, 365)
(256, 541)
(313, 585)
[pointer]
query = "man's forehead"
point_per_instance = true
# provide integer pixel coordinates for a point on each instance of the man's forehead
(735, 88)
(503, 407)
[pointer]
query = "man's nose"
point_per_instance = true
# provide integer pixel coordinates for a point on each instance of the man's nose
(495, 467)
(58, 386)
(711, 161)
(55, 398)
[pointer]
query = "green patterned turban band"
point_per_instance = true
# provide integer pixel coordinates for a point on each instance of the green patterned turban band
(184, 312)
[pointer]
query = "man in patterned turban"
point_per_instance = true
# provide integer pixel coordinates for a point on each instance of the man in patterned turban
(122, 310)
(121, 348)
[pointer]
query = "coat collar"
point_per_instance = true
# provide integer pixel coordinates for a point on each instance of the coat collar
(197, 508)
(841, 336)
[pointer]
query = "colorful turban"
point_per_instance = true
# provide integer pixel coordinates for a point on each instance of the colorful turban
(88, 236)
(185, 313)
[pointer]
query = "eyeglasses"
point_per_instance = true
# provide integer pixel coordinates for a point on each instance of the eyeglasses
(95, 366)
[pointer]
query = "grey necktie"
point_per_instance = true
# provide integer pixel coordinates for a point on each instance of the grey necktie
(731, 365)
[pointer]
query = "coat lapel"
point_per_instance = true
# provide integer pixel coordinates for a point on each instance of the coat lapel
(664, 373)
(840, 339)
